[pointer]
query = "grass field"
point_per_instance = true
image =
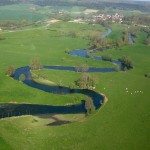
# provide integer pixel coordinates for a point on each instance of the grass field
(20, 12)
(35, 12)
(123, 123)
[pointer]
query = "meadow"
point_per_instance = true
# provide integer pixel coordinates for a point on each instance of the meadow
(35, 13)
(122, 123)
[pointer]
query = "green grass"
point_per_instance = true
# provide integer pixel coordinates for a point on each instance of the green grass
(117, 32)
(20, 12)
(51, 76)
(21, 46)
(4, 145)
(122, 124)
(34, 12)
(71, 9)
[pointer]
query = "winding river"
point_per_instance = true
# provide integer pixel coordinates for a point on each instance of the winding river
(12, 109)
(8, 110)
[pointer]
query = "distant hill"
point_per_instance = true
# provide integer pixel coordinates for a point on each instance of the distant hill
(98, 4)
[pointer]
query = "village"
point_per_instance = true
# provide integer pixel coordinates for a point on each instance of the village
(107, 17)
(115, 18)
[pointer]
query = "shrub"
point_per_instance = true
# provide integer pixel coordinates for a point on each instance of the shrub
(107, 57)
(72, 86)
(147, 75)
(10, 71)
(60, 84)
(2, 38)
(22, 77)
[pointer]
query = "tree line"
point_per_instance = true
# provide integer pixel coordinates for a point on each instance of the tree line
(14, 24)
(96, 4)
(137, 19)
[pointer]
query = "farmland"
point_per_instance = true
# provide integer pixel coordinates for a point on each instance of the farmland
(121, 123)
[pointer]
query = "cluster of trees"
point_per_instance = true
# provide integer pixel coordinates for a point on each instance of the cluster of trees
(97, 42)
(147, 31)
(86, 81)
(126, 62)
(35, 64)
(124, 40)
(14, 24)
(137, 19)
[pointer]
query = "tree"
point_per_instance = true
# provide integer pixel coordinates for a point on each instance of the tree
(127, 62)
(10, 71)
(86, 81)
(97, 42)
(35, 64)
(89, 105)
(81, 67)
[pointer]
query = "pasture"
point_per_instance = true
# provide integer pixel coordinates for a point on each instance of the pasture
(122, 123)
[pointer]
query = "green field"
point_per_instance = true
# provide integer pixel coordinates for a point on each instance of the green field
(123, 123)
(35, 12)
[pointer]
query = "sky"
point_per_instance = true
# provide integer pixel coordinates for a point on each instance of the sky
(141, 0)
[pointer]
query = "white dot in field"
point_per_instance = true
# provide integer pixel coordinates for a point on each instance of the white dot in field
(104, 88)
(135, 92)
(126, 88)
(131, 93)
(127, 91)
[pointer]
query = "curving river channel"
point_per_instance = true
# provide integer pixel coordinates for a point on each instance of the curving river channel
(11, 109)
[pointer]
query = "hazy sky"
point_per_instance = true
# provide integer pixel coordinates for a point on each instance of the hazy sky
(141, 0)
